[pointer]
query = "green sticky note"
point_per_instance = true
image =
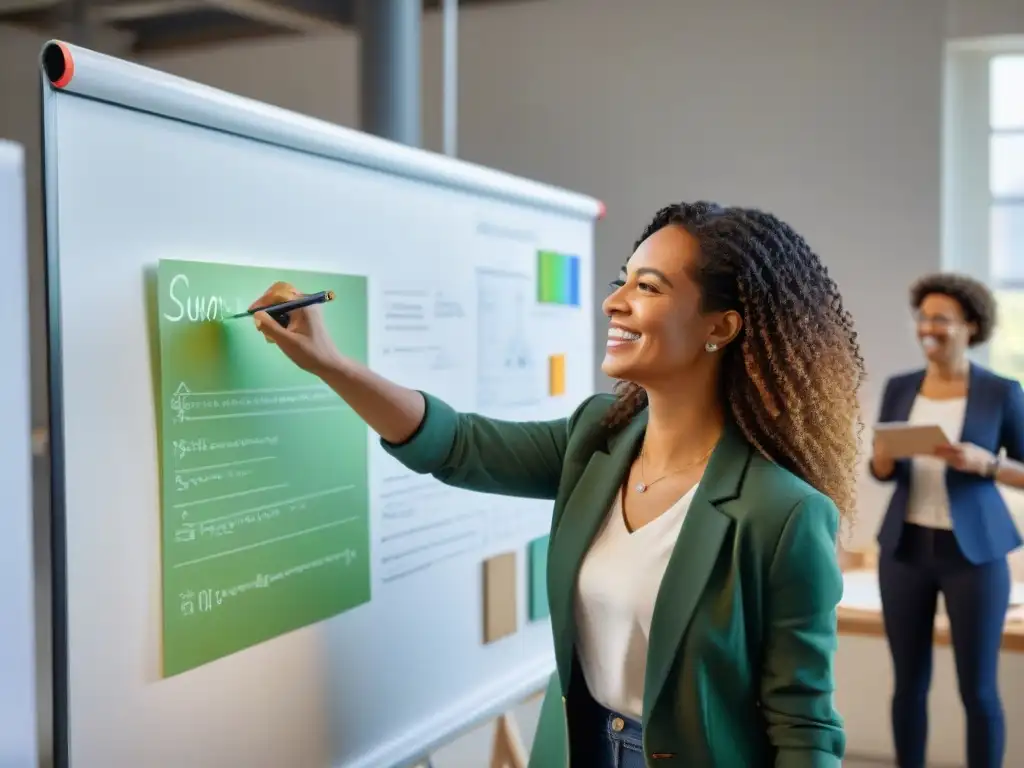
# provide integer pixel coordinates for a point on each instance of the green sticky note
(265, 504)
(537, 556)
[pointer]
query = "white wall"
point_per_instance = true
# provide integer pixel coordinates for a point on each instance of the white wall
(984, 18)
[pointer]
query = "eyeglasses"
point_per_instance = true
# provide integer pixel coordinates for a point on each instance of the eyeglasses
(941, 322)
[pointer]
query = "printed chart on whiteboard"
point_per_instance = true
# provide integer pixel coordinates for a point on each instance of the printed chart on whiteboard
(507, 365)
(420, 330)
(264, 469)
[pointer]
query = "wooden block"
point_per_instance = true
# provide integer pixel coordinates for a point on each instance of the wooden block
(500, 605)
(556, 375)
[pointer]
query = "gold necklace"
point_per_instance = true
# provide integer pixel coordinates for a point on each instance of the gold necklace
(643, 485)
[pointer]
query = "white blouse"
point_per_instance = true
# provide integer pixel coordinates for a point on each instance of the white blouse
(928, 505)
(616, 591)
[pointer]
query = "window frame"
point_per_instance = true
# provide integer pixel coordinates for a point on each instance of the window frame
(967, 197)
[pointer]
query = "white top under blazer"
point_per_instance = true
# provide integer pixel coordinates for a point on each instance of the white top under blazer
(616, 591)
(928, 505)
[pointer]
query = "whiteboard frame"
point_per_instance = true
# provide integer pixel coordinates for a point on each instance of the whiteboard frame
(81, 72)
(58, 651)
(72, 70)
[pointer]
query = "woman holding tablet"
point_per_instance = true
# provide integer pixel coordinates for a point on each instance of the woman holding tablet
(693, 577)
(947, 528)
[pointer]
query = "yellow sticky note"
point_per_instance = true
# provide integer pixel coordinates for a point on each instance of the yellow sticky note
(556, 375)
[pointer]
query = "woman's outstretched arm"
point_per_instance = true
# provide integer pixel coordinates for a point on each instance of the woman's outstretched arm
(424, 433)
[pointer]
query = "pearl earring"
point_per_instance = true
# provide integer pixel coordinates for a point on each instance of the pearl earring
(711, 346)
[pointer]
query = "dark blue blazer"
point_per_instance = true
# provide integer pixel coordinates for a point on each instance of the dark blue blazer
(982, 524)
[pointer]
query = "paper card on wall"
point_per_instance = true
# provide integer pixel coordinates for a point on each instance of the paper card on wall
(500, 604)
(556, 375)
(263, 468)
(537, 557)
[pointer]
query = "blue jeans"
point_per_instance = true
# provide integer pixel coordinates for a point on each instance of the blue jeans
(605, 739)
(929, 562)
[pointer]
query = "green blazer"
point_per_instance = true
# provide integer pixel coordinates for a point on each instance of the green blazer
(739, 665)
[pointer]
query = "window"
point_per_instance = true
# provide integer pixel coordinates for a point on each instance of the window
(1006, 210)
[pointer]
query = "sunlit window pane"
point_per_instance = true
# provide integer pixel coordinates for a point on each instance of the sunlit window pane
(1006, 164)
(1006, 224)
(1006, 242)
(1006, 355)
(1006, 105)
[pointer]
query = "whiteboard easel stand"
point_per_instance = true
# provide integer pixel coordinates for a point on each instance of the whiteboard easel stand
(508, 750)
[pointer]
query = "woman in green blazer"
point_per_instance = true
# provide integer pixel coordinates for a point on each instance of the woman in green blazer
(693, 576)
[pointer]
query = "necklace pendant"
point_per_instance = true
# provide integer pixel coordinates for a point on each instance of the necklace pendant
(641, 487)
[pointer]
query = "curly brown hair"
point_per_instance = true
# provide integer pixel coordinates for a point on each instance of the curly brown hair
(975, 300)
(792, 377)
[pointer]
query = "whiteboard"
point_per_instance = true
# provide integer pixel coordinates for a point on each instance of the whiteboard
(141, 167)
(17, 638)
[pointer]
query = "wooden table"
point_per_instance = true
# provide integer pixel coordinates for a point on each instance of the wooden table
(860, 616)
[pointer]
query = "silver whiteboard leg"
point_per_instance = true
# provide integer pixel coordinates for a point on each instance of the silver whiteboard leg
(390, 69)
(451, 76)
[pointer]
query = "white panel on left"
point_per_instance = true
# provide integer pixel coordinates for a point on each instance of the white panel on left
(18, 747)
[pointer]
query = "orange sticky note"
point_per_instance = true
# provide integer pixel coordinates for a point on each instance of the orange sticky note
(556, 375)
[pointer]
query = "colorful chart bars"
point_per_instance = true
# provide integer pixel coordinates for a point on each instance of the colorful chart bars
(558, 278)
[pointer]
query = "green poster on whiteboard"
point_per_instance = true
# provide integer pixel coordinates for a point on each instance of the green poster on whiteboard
(264, 469)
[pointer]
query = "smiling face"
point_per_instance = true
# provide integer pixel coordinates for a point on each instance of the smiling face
(657, 331)
(942, 330)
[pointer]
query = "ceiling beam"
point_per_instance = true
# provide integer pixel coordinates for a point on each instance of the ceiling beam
(199, 40)
(113, 13)
(273, 14)
(26, 6)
